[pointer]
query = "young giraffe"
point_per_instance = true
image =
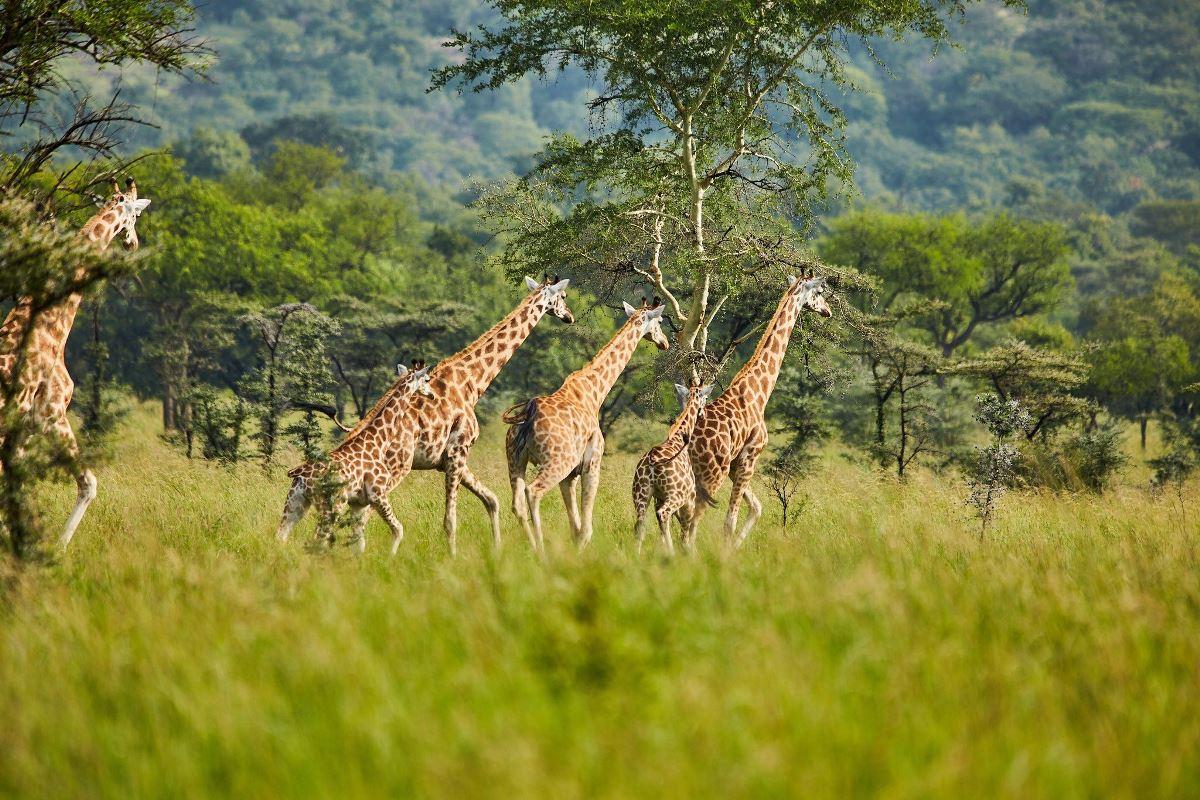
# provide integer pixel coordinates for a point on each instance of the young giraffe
(35, 354)
(370, 462)
(561, 432)
(665, 473)
(446, 423)
(732, 433)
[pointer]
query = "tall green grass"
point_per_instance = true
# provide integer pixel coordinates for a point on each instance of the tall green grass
(876, 648)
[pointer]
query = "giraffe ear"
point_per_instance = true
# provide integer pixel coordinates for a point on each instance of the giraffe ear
(681, 394)
(531, 284)
(706, 391)
(401, 370)
(561, 286)
(656, 312)
(138, 206)
(629, 310)
(791, 281)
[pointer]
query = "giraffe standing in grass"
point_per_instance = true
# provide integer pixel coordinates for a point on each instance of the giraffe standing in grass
(369, 463)
(665, 474)
(446, 423)
(733, 432)
(561, 432)
(35, 354)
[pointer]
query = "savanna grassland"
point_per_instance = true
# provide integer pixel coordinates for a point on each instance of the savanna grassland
(875, 648)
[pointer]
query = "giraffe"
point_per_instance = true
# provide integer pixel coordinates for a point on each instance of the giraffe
(561, 432)
(732, 433)
(665, 473)
(369, 463)
(32, 344)
(446, 423)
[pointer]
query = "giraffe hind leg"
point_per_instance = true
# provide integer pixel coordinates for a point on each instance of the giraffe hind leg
(294, 507)
(86, 493)
(84, 480)
(641, 502)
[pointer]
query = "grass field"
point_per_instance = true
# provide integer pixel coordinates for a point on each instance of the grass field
(877, 648)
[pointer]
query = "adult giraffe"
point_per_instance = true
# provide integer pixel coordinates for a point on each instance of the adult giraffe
(561, 432)
(731, 435)
(35, 354)
(446, 423)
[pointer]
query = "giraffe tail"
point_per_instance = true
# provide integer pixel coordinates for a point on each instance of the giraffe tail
(704, 497)
(519, 412)
(524, 420)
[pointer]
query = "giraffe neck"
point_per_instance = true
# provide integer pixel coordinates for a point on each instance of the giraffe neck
(595, 380)
(685, 423)
(481, 361)
(60, 316)
(389, 414)
(756, 380)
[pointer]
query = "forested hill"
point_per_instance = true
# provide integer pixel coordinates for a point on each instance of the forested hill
(1097, 99)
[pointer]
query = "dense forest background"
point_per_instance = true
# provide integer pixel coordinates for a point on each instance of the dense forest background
(1028, 204)
(1097, 100)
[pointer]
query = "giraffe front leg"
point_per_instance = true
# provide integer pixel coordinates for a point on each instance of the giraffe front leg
(570, 494)
(740, 475)
(450, 520)
(491, 503)
(383, 507)
(358, 535)
(754, 506)
(591, 484)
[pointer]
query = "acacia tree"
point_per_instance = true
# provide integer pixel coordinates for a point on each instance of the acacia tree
(997, 270)
(717, 131)
(37, 37)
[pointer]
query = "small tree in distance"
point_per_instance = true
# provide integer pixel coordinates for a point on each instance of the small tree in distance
(995, 464)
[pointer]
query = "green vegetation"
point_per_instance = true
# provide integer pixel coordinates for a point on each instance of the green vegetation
(1028, 231)
(874, 648)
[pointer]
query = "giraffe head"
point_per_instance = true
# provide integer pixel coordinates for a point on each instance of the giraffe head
(118, 215)
(810, 295)
(651, 317)
(417, 378)
(552, 296)
(695, 394)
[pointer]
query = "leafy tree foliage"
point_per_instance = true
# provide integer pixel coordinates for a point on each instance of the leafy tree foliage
(998, 270)
(694, 184)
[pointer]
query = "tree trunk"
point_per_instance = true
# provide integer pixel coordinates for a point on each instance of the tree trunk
(1142, 424)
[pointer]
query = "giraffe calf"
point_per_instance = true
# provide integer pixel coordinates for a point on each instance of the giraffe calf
(665, 474)
(363, 470)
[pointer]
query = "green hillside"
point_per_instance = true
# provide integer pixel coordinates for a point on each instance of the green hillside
(1098, 100)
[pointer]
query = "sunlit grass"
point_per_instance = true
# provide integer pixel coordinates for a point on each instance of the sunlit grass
(876, 647)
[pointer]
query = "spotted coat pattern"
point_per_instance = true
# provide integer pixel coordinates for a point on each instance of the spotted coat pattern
(664, 474)
(731, 435)
(560, 432)
(368, 464)
(446, 423)
(34, 354)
